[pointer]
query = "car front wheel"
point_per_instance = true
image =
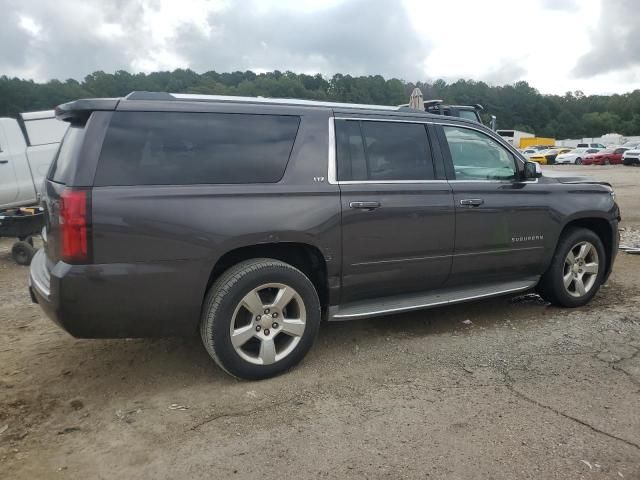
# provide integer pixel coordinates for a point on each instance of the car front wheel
(576, 270)
(578, 161)
(260, 318)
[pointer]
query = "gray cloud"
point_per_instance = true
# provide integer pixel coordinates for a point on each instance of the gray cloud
(357, 37)
(67, 45)
(615, 42)
(506, 73)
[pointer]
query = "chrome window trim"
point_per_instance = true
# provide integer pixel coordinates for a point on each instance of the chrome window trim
(332, 168)
(385, 182)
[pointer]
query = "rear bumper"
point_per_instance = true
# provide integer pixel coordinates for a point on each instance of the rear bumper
(119, 300)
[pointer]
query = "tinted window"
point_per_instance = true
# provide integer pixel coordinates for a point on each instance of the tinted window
(62, 165)
(476, 156)
(379, 151)
(469, 115)
(172, 148)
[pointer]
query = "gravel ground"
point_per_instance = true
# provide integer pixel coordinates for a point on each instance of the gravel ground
(505, 388)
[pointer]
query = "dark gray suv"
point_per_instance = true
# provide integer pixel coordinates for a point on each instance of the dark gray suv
(251, 219)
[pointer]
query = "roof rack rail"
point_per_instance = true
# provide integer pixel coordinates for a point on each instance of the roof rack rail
(140, 95)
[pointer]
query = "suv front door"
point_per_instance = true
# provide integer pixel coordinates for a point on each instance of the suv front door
(397, 215)
(501, 221)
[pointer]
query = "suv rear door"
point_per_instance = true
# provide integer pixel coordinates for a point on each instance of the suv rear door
(503, 224)
(397, 209)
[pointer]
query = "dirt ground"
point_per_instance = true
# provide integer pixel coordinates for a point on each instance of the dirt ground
(525, 390)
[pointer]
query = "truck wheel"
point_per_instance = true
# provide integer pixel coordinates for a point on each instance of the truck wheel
(260, 318)
(22, 253)
(28, 239)
(576, 270)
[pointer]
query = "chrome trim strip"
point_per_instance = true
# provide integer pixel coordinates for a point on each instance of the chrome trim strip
(332, 176)
(282, 101)
(506, 182)
(400, 260)
(331, 173)
(431, 304)
(384, 182)
(395, 120)
(332, 167)
(498, 251)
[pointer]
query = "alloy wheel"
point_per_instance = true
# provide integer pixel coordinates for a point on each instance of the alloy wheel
(268, 323)
(581, 267)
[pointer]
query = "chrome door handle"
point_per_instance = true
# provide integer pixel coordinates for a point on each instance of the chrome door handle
(365, 205)
(471, 202)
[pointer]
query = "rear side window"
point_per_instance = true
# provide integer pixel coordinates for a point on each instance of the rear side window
(174, 148)
(382, 151)
(64, 162)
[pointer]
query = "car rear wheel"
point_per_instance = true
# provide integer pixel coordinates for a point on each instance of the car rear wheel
(22, 252)
(605, 161)
(576, 270)
(260, 318)
(578, 161)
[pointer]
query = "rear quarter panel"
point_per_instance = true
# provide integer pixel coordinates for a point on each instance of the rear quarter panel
(181, 231)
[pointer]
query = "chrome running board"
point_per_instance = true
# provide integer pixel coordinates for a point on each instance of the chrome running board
(419, 301)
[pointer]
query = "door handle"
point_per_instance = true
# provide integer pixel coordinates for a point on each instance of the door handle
(4, 161)
(471, 202)
(365, 205)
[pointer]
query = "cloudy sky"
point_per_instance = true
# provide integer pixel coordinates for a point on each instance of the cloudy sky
(556, 45)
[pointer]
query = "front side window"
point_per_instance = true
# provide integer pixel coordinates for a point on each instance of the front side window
(476, 156)
(382, 151)
(174, 148)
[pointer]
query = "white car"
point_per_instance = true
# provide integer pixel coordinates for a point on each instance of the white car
(631, 157)
(529, 151)
(575, 156)
(591, 145)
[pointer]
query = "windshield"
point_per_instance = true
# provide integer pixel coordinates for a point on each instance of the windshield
(469, 115)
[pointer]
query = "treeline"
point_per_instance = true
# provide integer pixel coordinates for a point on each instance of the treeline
(518, 106)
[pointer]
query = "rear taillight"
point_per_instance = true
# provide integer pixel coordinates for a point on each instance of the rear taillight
(74, 226)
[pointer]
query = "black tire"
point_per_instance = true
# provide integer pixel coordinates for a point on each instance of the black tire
(605, 161)
(22, 253)
(225, 297)
(28, 239)
(551, 286)
(578, 161)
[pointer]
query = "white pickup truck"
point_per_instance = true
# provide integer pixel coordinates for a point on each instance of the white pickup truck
(27, 147)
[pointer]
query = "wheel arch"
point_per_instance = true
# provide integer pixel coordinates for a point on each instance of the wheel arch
(305, 257)
(601, 227)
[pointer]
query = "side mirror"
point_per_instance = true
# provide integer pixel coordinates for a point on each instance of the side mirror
(532, 170)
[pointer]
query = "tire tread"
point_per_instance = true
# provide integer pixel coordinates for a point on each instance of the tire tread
(221, 288)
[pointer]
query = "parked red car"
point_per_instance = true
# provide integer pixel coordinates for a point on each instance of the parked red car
(608, 156)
